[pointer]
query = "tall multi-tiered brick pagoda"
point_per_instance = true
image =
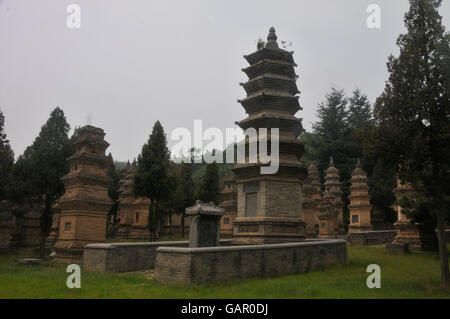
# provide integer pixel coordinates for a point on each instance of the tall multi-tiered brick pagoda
(333, 184)
(269, 206)
(359, 207)
(85, 204)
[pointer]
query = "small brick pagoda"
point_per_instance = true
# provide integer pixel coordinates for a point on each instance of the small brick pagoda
(269, 206)
(333, 184)
(85, 204)
(311, 196)
(359, 207)
(229, 203)
(54, 230)
(328, 216)
(407, 232)
(133, 212)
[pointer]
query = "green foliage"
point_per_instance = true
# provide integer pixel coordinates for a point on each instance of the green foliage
(113, 190)
(37, 173)
(339, 118)
(186, 185)
(6, 159)
(414, 110)
(210, 186)
(152, 178)
(414, 118)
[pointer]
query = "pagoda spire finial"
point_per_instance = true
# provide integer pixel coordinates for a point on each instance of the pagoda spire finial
(331, 161)
(272, 39)
(358, 163)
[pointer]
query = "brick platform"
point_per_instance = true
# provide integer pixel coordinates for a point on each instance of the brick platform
(175, 265)
(371, 237)
(123, 257)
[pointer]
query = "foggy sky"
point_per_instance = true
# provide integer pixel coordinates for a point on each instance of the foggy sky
(134, 62)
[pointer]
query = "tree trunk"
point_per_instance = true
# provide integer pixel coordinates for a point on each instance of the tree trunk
(443, 250)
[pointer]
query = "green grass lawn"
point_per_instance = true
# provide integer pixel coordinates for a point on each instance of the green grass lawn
(414, 275)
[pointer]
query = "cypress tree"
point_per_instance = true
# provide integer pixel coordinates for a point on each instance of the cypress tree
(152, 176)
(414, 115)
(6, 159)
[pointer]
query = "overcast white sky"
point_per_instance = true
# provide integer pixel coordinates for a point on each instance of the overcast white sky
(137, 61)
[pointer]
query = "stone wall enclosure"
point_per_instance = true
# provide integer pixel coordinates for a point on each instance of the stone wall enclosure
(176, 265)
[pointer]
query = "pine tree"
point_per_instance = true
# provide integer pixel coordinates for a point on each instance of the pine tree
(332, 139)
(414, 114)
(39, 170)
(152, 176)
(332, 114)
(6, 159)
(113, 190)
(359, 111)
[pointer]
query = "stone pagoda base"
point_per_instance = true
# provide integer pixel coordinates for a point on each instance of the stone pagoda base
(408, 233)
(311, 224)
(68, 252)
(139, 232)
(358, 229)
(123, 231)
(267, 230)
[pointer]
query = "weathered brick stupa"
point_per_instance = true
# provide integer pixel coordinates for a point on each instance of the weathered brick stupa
(133, 212)
(229, 203)
(85, 204)
(407, 232)
(360, 207)
(269, 206)
(333, 184)
(328, 216)
(54, 230)
(311, 196)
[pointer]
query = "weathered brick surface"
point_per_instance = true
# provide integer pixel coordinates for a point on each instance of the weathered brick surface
(123, 257)
(397, 248)
(371, 237)
(219, 264)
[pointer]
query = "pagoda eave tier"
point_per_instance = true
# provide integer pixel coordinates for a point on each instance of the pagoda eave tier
(270, 66)
(270, 101)
(79, 158)
(86, 179)
(285, 170)
(271, 81)
(285, 146)
(70, 205)
(102, 144)
(272, 121)
(266, 53)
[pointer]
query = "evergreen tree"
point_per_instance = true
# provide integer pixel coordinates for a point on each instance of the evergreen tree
(187, 188)
(414, 115)
(113, 190)
(332, 114)
(332, 138)
(210, 188)
(152, 176)
(359, 111)
(39, 170)
(6, 160)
